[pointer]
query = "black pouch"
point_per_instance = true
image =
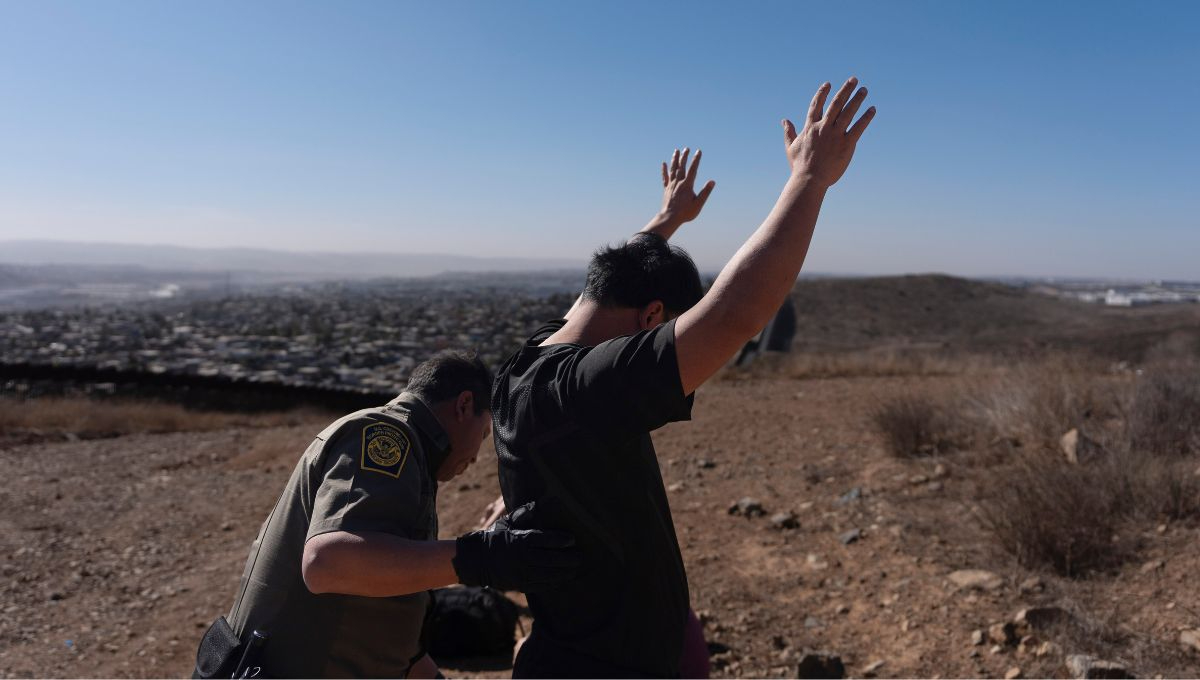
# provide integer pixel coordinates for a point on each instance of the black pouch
(469, 621)
(219, 651)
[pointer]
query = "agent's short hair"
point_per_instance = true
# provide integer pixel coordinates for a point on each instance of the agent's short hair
(643, 270)
(449, 373)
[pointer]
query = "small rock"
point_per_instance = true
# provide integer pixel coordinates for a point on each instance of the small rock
(1028, 645)
(815, 562)
(820, 665)
(56, 596)
(978, 638)
(872, 668)
(1032, 585)
(779, 642)
(842, 609)
(1190, 639)
(976, 579)
(677, 486)
(933, 487)
(1039, 618)
(1012, 673)
(784, 520)
(1153, 565)
(813, 622)
(1083, 667)
(1047, 649)
(851, 536)
(705, 464)
(1002, 633)
(996, 649)
(850, 496)
(226, 526)
(747, 507)
(1162, 528)
(1077, 446)
(916, 480)
(939, 471)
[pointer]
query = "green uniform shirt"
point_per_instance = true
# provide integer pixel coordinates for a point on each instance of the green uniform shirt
(370, 471)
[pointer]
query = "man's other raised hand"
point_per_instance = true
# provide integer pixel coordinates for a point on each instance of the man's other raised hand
(821, 152)
(680, 199)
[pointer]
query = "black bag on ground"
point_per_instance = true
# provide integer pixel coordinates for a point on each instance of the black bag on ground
(469, 621)
(219, 651)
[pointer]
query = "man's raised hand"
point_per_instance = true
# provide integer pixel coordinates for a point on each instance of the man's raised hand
(823, 149)
(681, 203)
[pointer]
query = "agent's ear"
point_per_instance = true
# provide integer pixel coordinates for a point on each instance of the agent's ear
(651, 315)
(464, 406)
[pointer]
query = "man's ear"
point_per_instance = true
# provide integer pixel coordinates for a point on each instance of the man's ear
(464, 406)
(652, 315)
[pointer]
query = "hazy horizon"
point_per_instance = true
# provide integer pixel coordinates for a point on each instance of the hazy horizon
(1013, 140)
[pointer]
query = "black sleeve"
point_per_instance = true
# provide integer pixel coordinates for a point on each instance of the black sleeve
(370, 481)
(628, 385)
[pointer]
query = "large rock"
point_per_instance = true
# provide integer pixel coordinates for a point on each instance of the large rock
(1083, 667)
(1190, 639)
(820, 665)
(976, 579)
(1078, 447)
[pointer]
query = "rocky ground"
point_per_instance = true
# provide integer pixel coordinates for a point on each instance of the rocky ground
(117, 553)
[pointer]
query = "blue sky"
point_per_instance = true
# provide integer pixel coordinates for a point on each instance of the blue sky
(1012, 138)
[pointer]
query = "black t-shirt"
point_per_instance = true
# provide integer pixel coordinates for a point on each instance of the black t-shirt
(572, 428)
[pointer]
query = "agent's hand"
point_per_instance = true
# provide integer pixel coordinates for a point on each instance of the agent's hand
(681, 203)
(492, 512)
(513, 556)
(823, 149)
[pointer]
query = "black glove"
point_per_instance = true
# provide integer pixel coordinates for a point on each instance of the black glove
(508, 556)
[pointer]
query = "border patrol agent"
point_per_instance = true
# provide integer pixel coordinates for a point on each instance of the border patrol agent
(337, 578)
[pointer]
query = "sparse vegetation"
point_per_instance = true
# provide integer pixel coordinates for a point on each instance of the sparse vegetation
(1164, 418)
(66, 417)
(913, 426)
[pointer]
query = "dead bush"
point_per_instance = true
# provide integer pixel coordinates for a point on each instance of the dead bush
(1164, 416)
(1162, 488)
(88, 418)
(1033, 404)
(1050, 514)
(913, 426)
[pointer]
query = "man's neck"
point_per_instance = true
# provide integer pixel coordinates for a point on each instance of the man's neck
(590, 324)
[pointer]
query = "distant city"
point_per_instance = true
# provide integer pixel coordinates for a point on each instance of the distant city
(364, 336)
(270, 326)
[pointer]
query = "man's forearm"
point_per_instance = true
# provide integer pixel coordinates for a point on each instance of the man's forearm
(763, 271)
(376, 564)
(663, 224)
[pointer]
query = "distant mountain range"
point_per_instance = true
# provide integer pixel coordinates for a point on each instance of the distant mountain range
(274, 264)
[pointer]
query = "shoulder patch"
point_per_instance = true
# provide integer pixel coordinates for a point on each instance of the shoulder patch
(384, 449)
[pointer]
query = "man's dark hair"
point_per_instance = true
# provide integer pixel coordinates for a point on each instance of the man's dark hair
(447, 374)
(645, 269)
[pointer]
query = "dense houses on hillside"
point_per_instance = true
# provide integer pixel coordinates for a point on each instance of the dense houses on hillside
(338, 335)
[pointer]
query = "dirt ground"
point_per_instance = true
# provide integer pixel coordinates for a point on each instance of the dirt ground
(116, 553)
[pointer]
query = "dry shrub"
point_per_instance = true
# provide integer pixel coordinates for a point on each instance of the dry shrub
(914, 426)
(1049, 514)
(1033, 404)
(1164, 417)
(86, 418)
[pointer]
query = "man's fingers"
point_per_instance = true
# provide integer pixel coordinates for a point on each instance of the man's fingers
(682, 169)
(855, 132)
(664, 170)
(694, 168)
(704, 193)
(789, 133)
(847, 114)
(674, 164)
(839, 99)
(818, 103)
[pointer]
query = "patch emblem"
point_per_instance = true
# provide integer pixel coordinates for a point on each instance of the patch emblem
(384, 449)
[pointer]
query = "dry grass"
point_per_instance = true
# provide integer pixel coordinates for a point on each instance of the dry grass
(88, 419)
(914, 426)
(1164, 418)
(880, 362)
(1051, 514)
